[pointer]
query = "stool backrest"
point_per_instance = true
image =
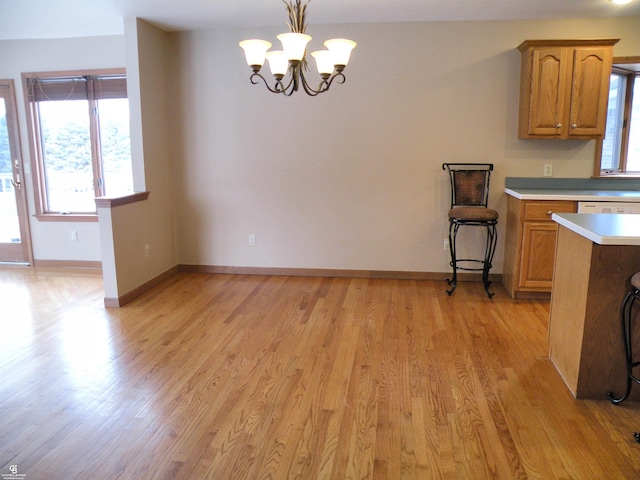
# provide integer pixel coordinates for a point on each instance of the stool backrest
(469, 183)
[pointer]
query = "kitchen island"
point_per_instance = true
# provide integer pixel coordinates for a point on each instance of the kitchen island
(596, 255)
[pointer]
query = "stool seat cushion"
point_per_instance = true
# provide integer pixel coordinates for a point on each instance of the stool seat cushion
(473, 214)
(635, 281)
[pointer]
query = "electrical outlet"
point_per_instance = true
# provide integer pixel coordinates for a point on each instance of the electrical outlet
(74, 235)
(446, 244)
(147, 250)
(252, 239)
(548, 170)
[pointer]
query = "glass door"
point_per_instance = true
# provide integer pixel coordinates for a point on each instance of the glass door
(14, 228)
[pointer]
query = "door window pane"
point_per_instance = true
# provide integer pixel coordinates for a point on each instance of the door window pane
(9, 221)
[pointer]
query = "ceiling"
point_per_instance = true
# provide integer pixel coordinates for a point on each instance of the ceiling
(30, 19)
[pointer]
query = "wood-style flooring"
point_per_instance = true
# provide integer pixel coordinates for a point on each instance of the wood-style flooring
(221, 377)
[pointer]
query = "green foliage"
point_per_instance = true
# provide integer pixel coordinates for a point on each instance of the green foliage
(67, 147)
(116, 147)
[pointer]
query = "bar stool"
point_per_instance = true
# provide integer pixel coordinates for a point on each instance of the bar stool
(469, 198)
(627, 337)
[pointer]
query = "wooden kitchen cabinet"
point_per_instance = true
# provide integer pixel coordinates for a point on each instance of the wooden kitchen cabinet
(564, 88)
(530, 246)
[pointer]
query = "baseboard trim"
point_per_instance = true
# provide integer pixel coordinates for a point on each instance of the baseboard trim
(68, 264)
(331, 272)
(116, 302)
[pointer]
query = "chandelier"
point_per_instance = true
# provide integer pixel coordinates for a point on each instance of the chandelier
(292, 59)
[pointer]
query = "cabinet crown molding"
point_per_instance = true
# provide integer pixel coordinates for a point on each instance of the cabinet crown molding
(584, 42)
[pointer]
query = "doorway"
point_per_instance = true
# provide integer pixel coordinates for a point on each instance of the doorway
(15, 242)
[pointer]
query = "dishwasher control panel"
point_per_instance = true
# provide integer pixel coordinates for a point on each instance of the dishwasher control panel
(608, 207)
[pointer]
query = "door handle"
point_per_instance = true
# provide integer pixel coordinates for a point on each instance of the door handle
(17, 185)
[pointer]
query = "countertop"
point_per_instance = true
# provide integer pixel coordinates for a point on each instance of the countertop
(578, 195)
(574, 189)
(603, 229)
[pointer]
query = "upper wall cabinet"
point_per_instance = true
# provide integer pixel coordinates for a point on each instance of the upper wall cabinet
(564, 88)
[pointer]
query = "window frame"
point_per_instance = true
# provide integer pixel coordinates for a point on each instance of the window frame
(629, 67)
(36, 153)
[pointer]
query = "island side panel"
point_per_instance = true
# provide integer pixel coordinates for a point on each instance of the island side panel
(568, 304)
(602, 364)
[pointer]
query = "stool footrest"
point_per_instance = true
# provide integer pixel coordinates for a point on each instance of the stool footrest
(485, 263)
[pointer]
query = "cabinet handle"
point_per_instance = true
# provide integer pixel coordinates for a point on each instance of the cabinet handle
(549, 212)
(559, 125)
(574, 126)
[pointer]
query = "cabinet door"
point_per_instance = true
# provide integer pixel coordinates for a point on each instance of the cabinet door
(548, 80)
(538, 254)
(589, 91)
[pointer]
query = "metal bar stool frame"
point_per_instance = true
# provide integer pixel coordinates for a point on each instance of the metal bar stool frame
(469, 198)
(627, 338)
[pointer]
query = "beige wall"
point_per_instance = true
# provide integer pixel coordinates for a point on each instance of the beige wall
(126, 230)
(353, 179)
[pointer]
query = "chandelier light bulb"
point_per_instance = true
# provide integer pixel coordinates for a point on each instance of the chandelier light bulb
(340, 49)
(294, 44)
(255, 51)
(324, 61)
(278, 62)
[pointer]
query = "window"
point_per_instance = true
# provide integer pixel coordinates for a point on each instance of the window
(79, 127)
(619, 152)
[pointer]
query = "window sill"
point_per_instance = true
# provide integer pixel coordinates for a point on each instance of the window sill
(67, 217)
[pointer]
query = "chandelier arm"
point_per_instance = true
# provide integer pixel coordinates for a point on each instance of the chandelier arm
(324, 85)
(254, 81)
(340, 79)
(278, 88)
(288, 90)
(309, 90)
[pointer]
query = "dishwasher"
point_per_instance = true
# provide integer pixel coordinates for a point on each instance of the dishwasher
(608, 207)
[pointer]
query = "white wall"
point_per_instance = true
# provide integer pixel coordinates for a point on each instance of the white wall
(52, 240)
(353, 179)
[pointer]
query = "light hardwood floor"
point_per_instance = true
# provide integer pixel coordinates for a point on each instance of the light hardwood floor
(253, 377)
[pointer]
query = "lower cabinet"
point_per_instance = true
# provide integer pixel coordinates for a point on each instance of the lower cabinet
(530, 245)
